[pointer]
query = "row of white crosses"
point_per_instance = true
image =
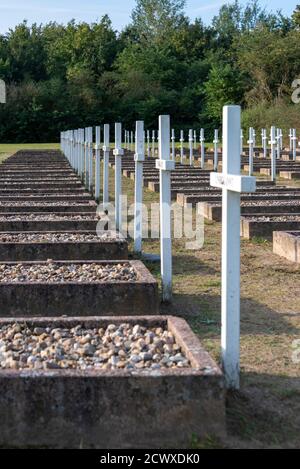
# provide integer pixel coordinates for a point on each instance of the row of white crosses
(232, 185)
(78, 147)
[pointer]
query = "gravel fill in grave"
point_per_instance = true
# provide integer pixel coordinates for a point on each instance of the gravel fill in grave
(295, 218)
(48, 217)
(55, 237)
(52, 272)
(43, 204)
(126, 346)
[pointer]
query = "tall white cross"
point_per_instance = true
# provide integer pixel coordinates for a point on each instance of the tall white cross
(272, 142)
(165, 166)
(91, 159)
(98, 163)
(278, 140)
(153, 143)
(242, 141)
(202, 143)
(181, 146)
(215, 142)
(251, 150)
(86, 157)
(106, 148)
(191, 147)
(294, 144)
(254, 138)
(118, 153)
(232, 184)
(291, 141)
(139, 158)
(264, 140)
(173, 144)
(148, 144)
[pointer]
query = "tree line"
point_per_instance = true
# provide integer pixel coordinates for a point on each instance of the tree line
(75, 75)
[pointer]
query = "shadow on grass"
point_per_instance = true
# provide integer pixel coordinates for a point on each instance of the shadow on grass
(266, 411)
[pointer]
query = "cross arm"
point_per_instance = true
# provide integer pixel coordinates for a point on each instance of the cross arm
(233, 183)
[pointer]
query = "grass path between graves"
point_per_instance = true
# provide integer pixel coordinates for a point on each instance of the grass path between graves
(266, 412)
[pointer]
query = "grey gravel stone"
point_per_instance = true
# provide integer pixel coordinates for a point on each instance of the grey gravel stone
(112, 348)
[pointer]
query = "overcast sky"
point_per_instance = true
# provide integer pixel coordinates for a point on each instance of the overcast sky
(13, 12)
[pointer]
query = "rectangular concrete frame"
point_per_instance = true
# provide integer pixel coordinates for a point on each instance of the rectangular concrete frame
(287, 245)
(81, 206)
(36, 299)
(114, 409)
(214, 212)
(265, 229)
(49, 225)
(102, 249)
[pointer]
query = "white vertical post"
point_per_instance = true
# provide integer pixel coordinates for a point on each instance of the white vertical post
(86, 155)
(139, 158)
(181, 146)
(148, 144)
(278, 138)
(165, 166)
(91, 159)
(216, 141)
(273, 153)
(98, 164)
(242, 141)
(195, 140)
(106, 149)
(294, 144)
(265, 142)
(118, 152)
(291, 141)
(153, 143)
(251, 150)
(191, 147)
(232, 184)
(202, 142)
(173, 144)
(131, 140)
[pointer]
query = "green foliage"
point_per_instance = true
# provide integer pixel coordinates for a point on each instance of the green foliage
(74, 75)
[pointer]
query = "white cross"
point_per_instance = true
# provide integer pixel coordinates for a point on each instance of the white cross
(2, 92)
(291, 136)
(251, 150)
(195, 140)
(254, 138)
(165, 166)
(173, 144)
(139, 158)
(294, 144)
(106, 148)
(148, 143)
(98, 163)
(242, 141)
(91, 165)
(272, 142)
(232, 184)
(278, 140)
(181, 146)
(202, 142)
(215, 142)
(191, 147)
(118, 153)
(153, 143)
